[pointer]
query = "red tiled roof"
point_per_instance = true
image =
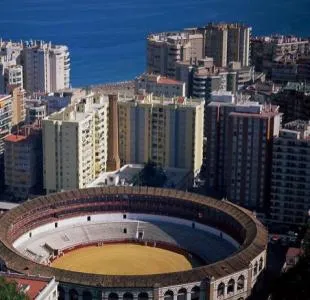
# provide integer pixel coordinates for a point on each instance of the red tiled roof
(14, 138)
(35, 286)
(180, 100)
(293, 252)
(165, 80)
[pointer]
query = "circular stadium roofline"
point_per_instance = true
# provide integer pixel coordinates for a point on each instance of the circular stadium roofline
(231, 219)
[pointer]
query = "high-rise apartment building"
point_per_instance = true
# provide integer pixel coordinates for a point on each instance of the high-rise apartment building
(5, 129)
(5, 118)
(58, 100)
(227, 43)
(239, 150)
(35, 65)
(216, 131)
(268, 49)
(18, 106)
(207, 78)
(13, 77)
(251, 129)
(75, 144)
(46, 67)
(11, 71)
(294, 101)
(159, 85)
(168, 131)
(23, 162)
(35, 110)
(290, 183)
(216, 44)
(164, 50)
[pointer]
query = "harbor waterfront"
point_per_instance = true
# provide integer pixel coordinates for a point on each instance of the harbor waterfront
(107, 38)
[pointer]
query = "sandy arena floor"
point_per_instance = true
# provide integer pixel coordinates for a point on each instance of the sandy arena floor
(123, 259)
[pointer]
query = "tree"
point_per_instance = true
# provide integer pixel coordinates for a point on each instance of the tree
(150, 175)
(294, 284)
(10, 291)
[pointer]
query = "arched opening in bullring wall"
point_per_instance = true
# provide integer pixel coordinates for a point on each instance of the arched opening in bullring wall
(195, 293)
(182, 294)
(255, 270)
(128, 296)
(113, 296)
(87, 295)
(143, 296)
(73, 294)
(231, 286)
(221, 289)
(261, 262)
(240, 283)
(168, 295)
(61, 293)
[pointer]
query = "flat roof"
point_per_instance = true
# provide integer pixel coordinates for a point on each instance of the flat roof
(127, 173)
(7, 205)
(165, 80)
(4, 97)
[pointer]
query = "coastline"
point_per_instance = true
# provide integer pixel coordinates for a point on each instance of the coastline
(123, 87)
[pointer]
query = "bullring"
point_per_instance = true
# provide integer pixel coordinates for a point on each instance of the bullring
(230, 277)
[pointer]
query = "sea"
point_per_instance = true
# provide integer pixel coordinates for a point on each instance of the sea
(107, 38)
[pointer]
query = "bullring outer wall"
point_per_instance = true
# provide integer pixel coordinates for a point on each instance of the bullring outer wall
(215, 281)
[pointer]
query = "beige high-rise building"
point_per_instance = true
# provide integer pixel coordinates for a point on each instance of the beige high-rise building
(75, 144)
(5, 118)
(46, 67)
(18, 106)
(216, 44)
(168, 131)
(227, 43)
(164, 50)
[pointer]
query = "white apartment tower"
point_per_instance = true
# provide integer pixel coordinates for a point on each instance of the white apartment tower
(46, 67)
(75, 144)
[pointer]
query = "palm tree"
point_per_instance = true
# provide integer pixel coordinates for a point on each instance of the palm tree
(10, 291)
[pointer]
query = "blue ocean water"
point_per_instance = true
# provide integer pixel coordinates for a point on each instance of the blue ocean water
(107, 37)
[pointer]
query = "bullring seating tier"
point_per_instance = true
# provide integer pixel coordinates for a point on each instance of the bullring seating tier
(207, 246)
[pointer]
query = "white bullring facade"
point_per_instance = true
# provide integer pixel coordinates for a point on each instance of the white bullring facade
(229, 241)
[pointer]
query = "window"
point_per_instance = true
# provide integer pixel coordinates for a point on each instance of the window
(125, 230)
(88, 218)
(240, 283)
(220, 289)
(124, 216)
(231, 286)
(56, 225)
